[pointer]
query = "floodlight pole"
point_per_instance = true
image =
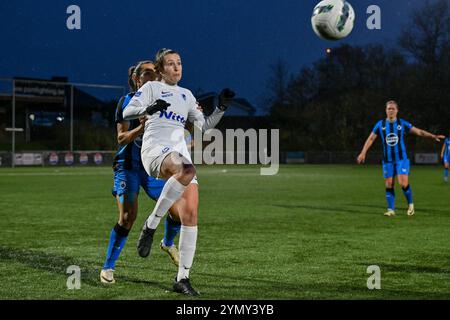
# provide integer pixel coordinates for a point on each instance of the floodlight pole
(13, 153)
(71, 118)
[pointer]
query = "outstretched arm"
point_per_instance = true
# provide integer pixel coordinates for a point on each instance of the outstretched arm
(197, 117)
(422, 133)
(362, 156)
(199, 120)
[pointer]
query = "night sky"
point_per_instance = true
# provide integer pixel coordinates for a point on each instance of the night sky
(223, 43)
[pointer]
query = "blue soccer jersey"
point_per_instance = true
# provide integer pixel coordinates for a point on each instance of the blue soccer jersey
(392, 138)
(129, 156)
(447, 149)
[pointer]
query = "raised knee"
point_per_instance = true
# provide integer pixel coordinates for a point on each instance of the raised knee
(188, 171)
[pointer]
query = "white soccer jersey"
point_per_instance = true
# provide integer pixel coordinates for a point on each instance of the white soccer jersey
(166, 129)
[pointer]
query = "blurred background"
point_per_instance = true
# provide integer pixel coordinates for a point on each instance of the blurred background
(59, 87)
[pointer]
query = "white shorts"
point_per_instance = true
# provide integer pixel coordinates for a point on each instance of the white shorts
(152, 159)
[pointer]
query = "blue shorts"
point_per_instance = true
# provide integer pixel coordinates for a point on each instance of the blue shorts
(130, 181)
(392, 169)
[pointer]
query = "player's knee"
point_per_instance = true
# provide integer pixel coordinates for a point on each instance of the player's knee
(187, 172)
(128, 219)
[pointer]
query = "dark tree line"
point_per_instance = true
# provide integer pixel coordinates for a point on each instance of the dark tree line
(333, 104)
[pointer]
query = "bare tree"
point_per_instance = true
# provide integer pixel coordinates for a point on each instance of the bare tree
(428, 34)
(278, 82)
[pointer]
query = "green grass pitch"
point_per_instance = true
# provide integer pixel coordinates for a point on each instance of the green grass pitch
(309, 232)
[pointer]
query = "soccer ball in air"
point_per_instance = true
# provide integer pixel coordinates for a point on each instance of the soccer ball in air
(333, 19)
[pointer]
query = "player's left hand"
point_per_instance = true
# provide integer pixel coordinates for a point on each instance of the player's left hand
(158, 105)
(361, 158)
(438, 138)
(226, 98)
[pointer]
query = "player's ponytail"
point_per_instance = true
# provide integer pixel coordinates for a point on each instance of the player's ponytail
(131, 82)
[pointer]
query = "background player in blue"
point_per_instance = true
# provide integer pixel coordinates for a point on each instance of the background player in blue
(445, 156)
(129, 175)
(395, 159)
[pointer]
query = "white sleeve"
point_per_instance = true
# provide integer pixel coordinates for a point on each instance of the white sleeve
(138, 104)
(198, 119)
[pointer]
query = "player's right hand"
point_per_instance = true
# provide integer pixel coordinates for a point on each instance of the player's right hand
(158, 105)
(361, 158)
(142, 121)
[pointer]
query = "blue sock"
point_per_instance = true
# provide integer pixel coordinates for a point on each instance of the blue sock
(446, 173)
(390, 197)
(117, 241)
(172, 228)
(408, 194)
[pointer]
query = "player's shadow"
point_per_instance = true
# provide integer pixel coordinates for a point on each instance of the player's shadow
(295, 289)
(402, 208)
(58, 264)
(244, 282)
(424, 211)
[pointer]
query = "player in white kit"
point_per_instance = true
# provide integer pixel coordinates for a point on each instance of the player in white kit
(164, 154)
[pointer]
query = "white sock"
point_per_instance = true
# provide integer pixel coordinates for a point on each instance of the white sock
(187, 246)
(171, 192)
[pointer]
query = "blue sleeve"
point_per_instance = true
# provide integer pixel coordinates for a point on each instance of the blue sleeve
(408, 126)
(119, 109)
(376, 128)
(120, 106)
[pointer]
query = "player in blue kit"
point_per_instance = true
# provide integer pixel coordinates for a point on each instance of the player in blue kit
(129, 176)
(445, 156)
(395, 159)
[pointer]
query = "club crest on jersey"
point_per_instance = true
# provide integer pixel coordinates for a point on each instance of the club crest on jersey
(183, 96)
(172, 116)
(399, 127)
(392, 139)
(138, 94)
